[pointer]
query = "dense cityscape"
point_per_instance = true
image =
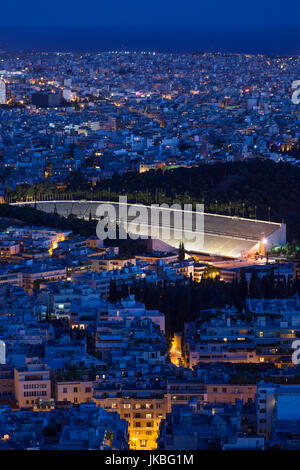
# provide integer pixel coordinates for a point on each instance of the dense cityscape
(112, 344)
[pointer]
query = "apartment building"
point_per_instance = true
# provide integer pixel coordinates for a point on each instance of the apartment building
(32, 383)
(142, 413)
(76, 392)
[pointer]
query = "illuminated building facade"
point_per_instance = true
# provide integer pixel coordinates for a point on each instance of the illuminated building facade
(143, 415)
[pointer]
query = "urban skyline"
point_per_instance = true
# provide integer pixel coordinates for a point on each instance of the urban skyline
(126, 128)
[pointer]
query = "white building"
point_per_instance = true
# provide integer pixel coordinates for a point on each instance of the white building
(131, 309)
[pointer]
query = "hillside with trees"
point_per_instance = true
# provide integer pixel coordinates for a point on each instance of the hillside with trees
(255, 189)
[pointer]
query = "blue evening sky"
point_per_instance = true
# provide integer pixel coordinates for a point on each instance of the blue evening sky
(148, 12)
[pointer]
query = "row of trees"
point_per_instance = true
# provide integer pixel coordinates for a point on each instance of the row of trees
(255, 189)
(289, 250)
(32, 216)
(183, 301)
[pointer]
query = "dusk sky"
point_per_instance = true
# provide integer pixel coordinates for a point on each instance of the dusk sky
(257, 26)
(150, 12)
